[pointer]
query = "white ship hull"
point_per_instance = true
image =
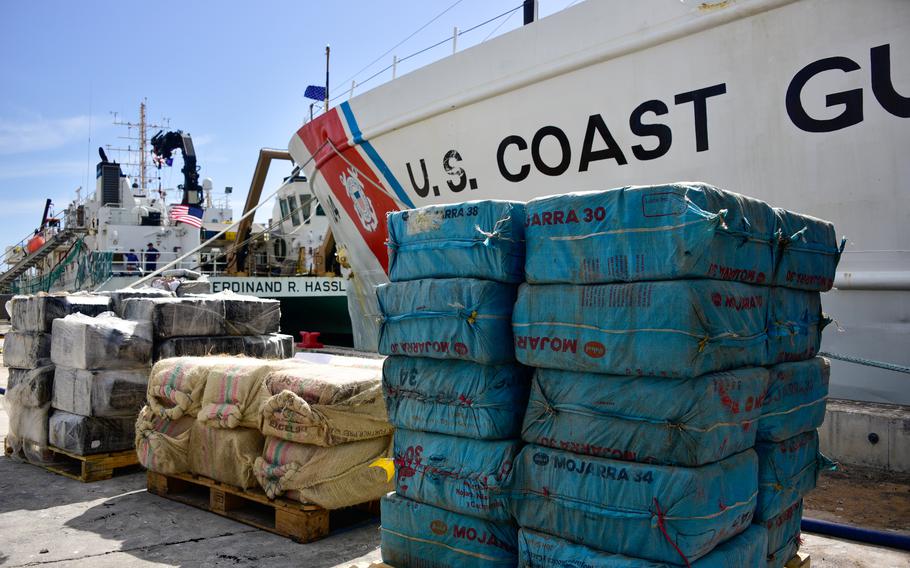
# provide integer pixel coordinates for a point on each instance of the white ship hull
(803, 104)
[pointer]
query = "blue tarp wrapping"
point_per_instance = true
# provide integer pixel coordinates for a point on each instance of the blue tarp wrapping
(687, 422)
(458, 398)
(663, 232)
(454, 318)
(415, 534)
(795, 324)
(475, 239)
(674, 328)
(783, 535)
(808, 253)
(786, 472)
(641, 510)
(795, 401)
(540, 550)
(459, 474)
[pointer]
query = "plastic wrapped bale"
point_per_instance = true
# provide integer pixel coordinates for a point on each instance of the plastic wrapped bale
(234, 392)
(458, 398)
(796, 399)
(162, 444)
(102, 342)
(225, 455)
(26, 350)
(474, 239)
(249, 315)
(37, 313)
(27, 437)
(188, 287)
(654, 512)
(100, 393)
(271, 346)
(118, 297)
(808, 252)
(688, 422)
(179, 317)
(662, 232)
(84, 435)
(416, 534)
(795, 324)
(539, 550)
(336, 477)
(31, 387)
(324, 405)
(456, 318)
(674, 328)
(783, 535)
(458, 474)
(175, 386)
(786, 472)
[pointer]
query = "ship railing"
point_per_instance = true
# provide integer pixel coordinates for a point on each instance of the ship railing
(142, 262)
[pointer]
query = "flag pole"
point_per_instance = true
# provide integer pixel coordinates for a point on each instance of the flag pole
(327, 78)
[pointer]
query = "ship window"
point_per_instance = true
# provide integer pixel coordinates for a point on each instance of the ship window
(283, 206)
(319, 211)
(295, 214)
(305, 207)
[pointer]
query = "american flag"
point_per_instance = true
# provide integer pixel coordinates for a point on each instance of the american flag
(189, 214)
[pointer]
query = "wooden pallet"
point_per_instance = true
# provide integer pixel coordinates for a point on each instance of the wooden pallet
(297, 521)
(94, 467)
(799, 561)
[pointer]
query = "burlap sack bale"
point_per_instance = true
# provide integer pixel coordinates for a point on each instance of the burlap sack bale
(176, 385)
(325, 405)
(234, 392)
(225, 455)
(102, 342)
(162, 444)
(332, 478)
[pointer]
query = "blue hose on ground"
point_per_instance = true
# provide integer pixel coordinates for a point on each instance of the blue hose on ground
(859, 534)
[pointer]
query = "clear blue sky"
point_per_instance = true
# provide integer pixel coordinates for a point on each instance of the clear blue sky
(232, 73)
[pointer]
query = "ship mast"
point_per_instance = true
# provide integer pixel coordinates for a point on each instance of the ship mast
(142, 179)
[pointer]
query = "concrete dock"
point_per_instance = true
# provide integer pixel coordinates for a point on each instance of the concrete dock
(47, 519)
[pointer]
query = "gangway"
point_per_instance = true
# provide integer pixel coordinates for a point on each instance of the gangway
(61, 239)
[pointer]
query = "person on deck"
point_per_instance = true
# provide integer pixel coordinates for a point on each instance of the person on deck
(151, 258)
(132, 261)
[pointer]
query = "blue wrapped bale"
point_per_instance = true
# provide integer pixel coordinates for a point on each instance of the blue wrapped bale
(458, 398)
(539, 550)
(647, 511)
(673, 328)
(475, 239)
(662, 232)
(786, 472)
(454, 318)
(687, 422)
(795, 324)
(416, 534)
(808, 253)
(795, 400)
(783, 535)
(458, 474)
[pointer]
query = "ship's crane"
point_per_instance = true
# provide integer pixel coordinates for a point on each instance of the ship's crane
(163, 146)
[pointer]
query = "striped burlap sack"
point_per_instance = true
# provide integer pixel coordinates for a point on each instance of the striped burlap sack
(161, 443)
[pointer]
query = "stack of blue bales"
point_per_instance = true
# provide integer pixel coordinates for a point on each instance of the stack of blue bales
(453, 390)
(651, 315)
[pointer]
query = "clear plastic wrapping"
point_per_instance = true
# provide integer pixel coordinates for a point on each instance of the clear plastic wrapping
(271, 346)
(38, 312)
(103, 342)
(118, 393)
(118, 297)
(30, 387)
(26, 349)
(84, 435)
(224, 313)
